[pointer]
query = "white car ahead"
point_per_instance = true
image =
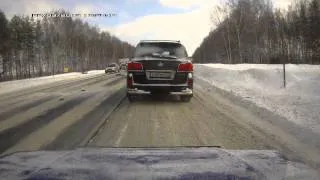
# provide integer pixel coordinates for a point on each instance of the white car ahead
(112, 68)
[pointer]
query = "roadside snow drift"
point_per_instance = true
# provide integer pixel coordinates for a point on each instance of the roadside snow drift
(262, 84)
(9, 86)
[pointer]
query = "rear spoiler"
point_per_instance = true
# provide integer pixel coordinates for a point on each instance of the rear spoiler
(176, 41)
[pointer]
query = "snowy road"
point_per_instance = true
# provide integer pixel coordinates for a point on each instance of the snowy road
(95, 112)
(33, 118)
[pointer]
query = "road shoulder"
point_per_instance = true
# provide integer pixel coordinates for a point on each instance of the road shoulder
(292, 141)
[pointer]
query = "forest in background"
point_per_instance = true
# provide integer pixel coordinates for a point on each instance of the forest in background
(253, 31)
(32, 48)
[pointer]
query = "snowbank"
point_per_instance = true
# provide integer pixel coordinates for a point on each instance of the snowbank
(26, 83)
(96, 72)
(263, 85)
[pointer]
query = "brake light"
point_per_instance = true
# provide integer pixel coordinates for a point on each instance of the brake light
(135, 66)
(185, 67)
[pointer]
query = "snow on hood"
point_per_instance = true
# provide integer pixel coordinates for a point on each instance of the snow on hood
(164, 163)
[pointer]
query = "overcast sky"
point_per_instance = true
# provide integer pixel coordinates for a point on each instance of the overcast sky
(185, 20)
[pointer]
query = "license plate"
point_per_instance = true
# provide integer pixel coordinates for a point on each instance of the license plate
(160, 75)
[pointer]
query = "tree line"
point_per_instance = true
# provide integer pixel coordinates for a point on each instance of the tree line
(37, 47)
(253, 31)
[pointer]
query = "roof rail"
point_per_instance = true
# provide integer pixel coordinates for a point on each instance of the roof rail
(178, 41)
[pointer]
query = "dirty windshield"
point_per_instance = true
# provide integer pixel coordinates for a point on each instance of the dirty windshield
(225, 89)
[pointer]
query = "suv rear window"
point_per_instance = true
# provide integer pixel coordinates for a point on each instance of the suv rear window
(147, 49)
(112, 65)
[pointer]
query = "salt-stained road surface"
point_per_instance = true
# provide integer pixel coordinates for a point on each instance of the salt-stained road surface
(94, 111)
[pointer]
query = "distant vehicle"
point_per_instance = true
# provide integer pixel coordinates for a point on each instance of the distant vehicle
(123, 66)
(160, 66)
(112, 68)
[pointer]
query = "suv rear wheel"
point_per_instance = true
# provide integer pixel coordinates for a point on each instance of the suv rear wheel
(185, 98)
(130, 97)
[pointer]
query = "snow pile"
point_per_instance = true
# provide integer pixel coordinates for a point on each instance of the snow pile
(26, 83)
(96, 72)
(263, 85)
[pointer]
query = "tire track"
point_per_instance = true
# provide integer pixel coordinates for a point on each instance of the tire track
(44, 88)
(65, 88)
(99, 80)
(77, 133)
(111, 83)
(17, 101)
(89, 83)
(12, 136)
(25, 107)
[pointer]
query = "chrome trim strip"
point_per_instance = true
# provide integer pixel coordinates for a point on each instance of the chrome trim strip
(156, 59)
(183, 92)
(186, 92)
(166, 85)
(135, 91)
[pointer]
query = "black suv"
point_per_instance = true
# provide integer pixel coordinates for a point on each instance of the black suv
(160, 66)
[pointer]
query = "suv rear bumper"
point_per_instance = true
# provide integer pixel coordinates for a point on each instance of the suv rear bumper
(166, 88)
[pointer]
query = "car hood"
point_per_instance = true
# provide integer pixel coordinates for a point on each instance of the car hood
(152, 163)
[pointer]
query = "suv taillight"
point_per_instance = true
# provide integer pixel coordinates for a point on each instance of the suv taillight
(135, 66)
(185, 67)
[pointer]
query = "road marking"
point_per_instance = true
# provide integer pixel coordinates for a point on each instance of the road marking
(122, 133)
(91, 136)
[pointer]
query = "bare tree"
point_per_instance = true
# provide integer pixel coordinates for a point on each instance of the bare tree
(217, 17)
(255, 32)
